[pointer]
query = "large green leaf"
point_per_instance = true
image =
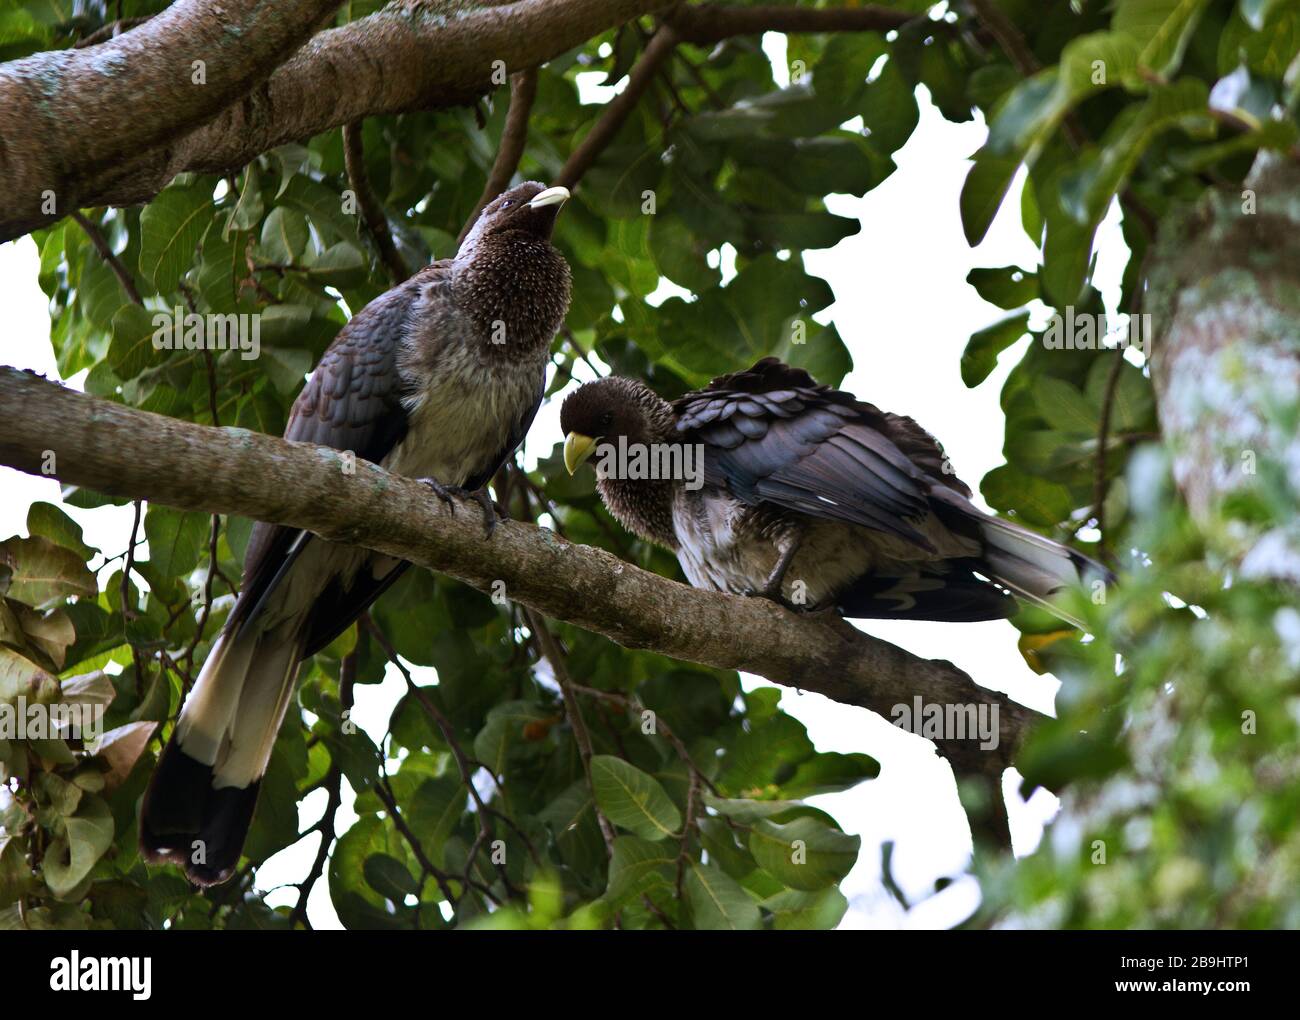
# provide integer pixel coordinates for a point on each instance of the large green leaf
(633, 800)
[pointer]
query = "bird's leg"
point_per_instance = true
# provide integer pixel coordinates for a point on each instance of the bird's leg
(788, 544)
(449, 494)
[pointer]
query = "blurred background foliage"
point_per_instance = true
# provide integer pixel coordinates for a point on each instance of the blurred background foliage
(1174, 751)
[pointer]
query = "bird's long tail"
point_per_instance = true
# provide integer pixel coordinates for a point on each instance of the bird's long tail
(1035, 568)
(200, 802)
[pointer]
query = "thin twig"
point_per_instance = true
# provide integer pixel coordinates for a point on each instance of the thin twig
(619, 108)
(463, 765)
(334, 785)
(551, 649)
(106, 253)
(372, 213)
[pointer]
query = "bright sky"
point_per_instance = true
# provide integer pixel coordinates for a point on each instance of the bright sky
(905, 311)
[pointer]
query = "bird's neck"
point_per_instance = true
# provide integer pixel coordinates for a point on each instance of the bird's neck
(644, 507)
(516, 290)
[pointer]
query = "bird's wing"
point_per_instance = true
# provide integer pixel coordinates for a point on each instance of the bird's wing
(773, 435)
(352, 401)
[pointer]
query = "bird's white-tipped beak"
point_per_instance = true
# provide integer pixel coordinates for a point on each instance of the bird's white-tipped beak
(557, 195)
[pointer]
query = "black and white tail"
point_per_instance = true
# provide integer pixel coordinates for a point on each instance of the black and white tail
(200, 801)
(1035, 568)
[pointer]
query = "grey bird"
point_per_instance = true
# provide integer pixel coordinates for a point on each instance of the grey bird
(809, 496)
(437, 379)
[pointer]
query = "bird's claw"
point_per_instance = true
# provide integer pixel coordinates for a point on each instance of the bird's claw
(450, 493)
(446, 493)
(490, 511)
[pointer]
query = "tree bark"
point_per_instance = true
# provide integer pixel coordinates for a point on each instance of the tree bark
(1224, 296)
(129, 453)
(67, 116)
(412, 55)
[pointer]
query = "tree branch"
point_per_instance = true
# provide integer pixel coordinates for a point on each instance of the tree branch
(372, 213)
(139, 126)
(412, 55)
(523, 90)
(618, 108)
(66, 116)
(121, 451)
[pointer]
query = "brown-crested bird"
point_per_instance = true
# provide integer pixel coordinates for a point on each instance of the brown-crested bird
(809, 496)
(437, 379)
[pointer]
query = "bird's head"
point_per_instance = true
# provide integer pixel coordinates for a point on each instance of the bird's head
(603, 411)
(529, 208)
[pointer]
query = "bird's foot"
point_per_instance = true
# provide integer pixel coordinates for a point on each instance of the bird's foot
(772, 592)
(446, 493)
(491, 512)
(450, 493)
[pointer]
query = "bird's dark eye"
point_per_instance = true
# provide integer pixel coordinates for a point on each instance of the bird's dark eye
(606, 420)
(507, 203)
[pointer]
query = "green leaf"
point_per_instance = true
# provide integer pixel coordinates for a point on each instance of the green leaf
(796, 910)
(389, 877)
(171, 227)
(177, 539)
(341, 265)
(804, 853)
(638, 865)
(43, 572)
(132, 348)
(717, 901)
(982, 193)
(69, 858)
(984, 346)
(284, 236)
(1006, 286)
(248, 210)
(48, 521)
(1035, 500)
(20, 677)
(1064, 407)
(633, 800)
(1162, 28)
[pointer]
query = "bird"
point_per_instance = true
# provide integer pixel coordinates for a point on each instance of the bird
(437, 379)
(768, 483)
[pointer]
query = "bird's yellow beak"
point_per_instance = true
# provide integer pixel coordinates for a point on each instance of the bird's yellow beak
(577, 448)
(557, 195)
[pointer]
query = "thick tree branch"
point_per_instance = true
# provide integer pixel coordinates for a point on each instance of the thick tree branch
(112, 124)
(125, 452)
(412, 55)
(69, 115)
(523, 90)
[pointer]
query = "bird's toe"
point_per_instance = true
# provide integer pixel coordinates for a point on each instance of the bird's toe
(446, 493)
